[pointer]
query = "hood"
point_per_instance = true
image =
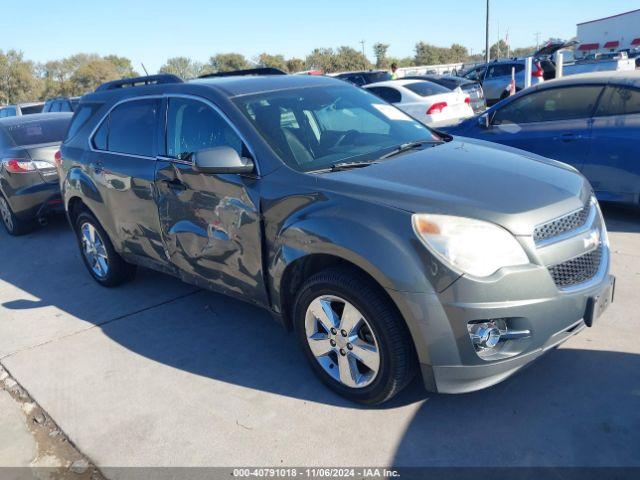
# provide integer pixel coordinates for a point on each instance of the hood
(470, 178)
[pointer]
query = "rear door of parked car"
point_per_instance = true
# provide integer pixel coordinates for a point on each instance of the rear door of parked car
(122, 163)
(613, 166)
(211, 224)
(553, 122)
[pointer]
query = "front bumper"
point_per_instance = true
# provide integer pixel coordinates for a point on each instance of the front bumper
(448, 360)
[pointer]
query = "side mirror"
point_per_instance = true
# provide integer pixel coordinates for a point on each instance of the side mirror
(221, 160)
(483, 120)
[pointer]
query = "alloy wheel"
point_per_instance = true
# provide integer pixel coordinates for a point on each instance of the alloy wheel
(94, 250)
(342, 341)
(5, 212)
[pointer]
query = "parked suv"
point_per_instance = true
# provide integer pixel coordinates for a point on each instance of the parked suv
(61, 104)
(495, 77)
(20, 109)
(387, 247)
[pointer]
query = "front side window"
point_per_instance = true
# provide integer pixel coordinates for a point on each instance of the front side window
(335, 124)
(193, 126)
(32, 109)
(130, 128)
(549, 105)
(619, 101)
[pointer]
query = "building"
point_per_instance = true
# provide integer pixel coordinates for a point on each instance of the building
(610, 34)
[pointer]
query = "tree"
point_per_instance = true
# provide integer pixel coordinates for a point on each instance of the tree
(183, 67)
(122, 65)
(427, 54)
(348, 58)
(402, 62)
(323, 59)
(18, 81)
(226, 62)
(273, 61)
(380, 52)
(499, 49)
(459, 53)
(93, 74)
(295, 65)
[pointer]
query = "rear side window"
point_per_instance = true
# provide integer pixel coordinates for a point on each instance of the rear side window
(81, 117)
(8, 112)
(34, 133)
(619, 101)
(130, 128)
(426, 89)
(388, 94)
(193, 126)
(550, 105)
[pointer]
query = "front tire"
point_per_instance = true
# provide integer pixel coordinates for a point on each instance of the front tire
(12, 224)
(353, 336)
(102, 261)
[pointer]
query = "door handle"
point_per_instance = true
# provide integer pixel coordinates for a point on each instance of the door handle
(175, 184)
(570, 137)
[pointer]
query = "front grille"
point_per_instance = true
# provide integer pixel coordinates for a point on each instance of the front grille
(561, 225)
(577, 270)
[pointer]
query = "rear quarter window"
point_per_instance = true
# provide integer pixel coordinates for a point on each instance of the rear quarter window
(80, 118)
(619, 101)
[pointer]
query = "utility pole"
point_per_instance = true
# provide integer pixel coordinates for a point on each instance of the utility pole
(487, 55)
(364, 60)
(537, 40)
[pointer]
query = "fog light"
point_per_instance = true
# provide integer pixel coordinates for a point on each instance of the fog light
(484, 335)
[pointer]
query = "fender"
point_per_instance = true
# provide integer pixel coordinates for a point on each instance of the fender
(380, 243)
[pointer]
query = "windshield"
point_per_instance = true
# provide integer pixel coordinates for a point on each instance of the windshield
(315, 128)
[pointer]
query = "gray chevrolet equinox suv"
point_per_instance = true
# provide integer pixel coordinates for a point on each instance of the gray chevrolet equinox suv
(388, 248)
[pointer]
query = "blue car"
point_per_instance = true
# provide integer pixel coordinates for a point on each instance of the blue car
(591, 122)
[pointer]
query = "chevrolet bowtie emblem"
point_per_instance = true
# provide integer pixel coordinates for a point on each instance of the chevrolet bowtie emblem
(592, 241)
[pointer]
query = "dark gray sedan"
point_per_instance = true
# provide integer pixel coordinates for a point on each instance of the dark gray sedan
(29, 188)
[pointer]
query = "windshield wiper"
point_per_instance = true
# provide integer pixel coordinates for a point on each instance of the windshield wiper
(336, 167)
(405, 147)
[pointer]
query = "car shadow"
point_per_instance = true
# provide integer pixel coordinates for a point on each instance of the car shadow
(569, 408)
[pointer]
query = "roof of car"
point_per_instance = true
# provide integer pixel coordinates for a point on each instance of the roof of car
(9, 121)
(631, 77)
(248, 85)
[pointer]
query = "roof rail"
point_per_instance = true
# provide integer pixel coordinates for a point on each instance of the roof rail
(139, 81)
(247, 72)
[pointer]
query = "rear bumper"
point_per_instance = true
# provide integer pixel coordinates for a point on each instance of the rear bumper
(36, 201)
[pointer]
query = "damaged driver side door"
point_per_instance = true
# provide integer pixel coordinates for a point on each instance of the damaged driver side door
(210, 223)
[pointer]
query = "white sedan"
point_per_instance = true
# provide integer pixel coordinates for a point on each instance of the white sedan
(427, 102)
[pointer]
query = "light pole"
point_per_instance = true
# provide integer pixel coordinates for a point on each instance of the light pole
(364, 59)
(487, 55)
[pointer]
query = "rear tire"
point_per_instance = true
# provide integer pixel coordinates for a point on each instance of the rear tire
(102, 261)
(12, 224)
(369, 357)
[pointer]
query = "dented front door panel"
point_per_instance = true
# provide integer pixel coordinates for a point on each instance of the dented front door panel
(211, 228)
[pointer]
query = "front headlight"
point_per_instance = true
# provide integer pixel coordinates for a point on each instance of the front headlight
(473, 246)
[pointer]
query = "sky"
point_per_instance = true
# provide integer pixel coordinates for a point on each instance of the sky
(150, 31)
